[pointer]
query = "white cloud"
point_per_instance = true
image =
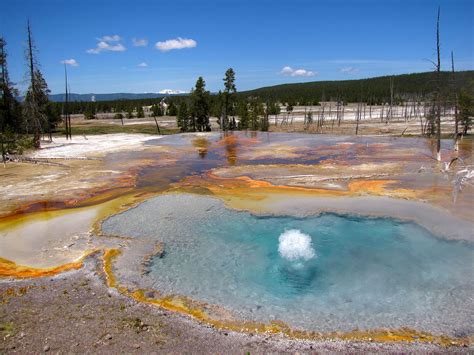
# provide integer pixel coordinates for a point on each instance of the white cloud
(137, 42)
(142, 65)
(177, 43)
(114, 38)
(303, 72)
(349, 70)
(72, 62)
(108, 43)
(287, 70)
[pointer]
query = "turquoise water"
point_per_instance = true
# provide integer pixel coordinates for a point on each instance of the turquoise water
(324, 272)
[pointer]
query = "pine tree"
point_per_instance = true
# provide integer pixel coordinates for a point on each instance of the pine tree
(140, 112)
(171, 110)
(228, 97)
(89, 113)
(200, 106)
(10, 115)
(36, 99)
(156, 110)
(243, 113)
(466, 110)
(182, 119)
(256, 110)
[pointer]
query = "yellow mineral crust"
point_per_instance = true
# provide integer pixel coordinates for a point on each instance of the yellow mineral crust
(10, 269)
(246, 187)
(200, 311)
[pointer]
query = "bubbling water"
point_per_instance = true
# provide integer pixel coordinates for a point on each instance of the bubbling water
(295, 246)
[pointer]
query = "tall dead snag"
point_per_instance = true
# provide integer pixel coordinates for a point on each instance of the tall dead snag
(32, 108)
(390, 111)
(438, 93)
(455, 89)
(66, 107)
(357, 117)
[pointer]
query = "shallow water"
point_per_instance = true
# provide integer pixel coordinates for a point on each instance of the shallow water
(355, 272)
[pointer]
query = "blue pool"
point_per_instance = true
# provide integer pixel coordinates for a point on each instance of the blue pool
(325, 272)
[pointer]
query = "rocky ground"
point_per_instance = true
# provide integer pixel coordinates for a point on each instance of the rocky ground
(77, 313)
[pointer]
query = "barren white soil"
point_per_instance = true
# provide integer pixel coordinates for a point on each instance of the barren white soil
(81, 147)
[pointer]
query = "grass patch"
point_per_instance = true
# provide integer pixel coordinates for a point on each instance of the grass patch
(6, 329)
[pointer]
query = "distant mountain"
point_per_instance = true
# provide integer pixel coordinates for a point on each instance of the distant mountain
(370, 89)
(171, 92)
(116, 96)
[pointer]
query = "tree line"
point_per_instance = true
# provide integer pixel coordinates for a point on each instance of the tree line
(374, 91)
(37, 116)
(23, 124)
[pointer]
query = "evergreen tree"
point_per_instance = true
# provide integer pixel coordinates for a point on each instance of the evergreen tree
(289, 107)
(466, 110)
(140, 112)
(218, 108)
(172, 109)
(10, 115)
(40, 117)
(89, 113)
(256, 110)
(36, 99)
(264, 121)
(273, 108)
(156, 110)
(53, 118)
(229, 96)
(200, 106)
(243, 113)
(182, 119)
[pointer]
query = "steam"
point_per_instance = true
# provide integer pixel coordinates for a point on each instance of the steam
(295, 246)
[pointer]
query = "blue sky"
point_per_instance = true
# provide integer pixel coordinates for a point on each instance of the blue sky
(266, 42)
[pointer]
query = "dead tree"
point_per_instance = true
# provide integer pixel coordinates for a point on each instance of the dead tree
(456, 123)
(67, 116)
(357, 117)
(438, 93)
(33, 108)
(390, 111)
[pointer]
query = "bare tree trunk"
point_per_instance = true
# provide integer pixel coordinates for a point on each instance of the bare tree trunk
(66, 104)
(36, 122)
(156, 122)
(342, 115)
(358, 113)
(69, 114)
(438, 94)
(391, 101)
(456, 123)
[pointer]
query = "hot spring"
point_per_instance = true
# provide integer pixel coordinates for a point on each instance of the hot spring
(324, 272)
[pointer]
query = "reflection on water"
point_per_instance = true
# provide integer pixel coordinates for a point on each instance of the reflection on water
(169, 159)
(201, 145)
